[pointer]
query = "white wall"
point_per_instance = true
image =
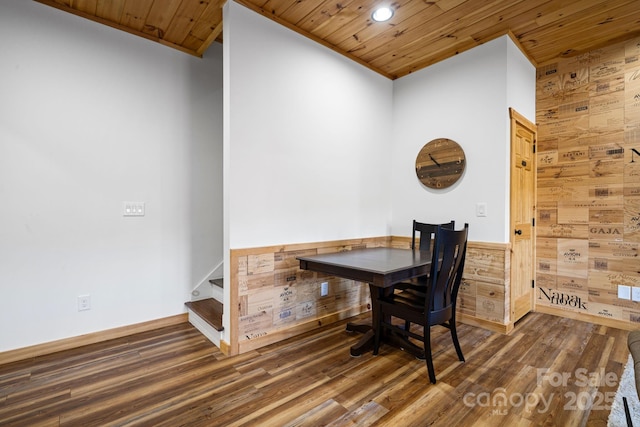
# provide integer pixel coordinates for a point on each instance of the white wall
(308, 138)
(91, 117)
(465, 98)
(521, 81)
(319, 148)
(316, 148)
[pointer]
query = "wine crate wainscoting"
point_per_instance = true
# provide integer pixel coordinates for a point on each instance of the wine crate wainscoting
(272, 299)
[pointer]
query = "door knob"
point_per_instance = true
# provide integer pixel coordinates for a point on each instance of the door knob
(518, 232)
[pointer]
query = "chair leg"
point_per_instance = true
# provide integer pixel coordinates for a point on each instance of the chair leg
(454, 337)
(427, 353)
(407, 325)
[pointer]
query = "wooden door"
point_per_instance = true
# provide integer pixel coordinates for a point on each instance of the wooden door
(523, 191)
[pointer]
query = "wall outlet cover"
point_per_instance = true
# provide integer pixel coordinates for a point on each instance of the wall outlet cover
(624, 292)
(84, 302)
(324, 289)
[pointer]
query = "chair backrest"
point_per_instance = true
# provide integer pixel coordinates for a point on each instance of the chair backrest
(450, 247)
(426, 233)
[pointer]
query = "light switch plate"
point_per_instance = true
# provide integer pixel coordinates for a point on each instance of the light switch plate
(635, 293)
(481, 209)
(133, 208)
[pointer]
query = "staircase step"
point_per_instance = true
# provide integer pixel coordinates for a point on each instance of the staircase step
(218, 282)
(209, 310)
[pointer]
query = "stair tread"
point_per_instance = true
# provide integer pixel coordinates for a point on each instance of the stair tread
(218, 282)
(210, 310)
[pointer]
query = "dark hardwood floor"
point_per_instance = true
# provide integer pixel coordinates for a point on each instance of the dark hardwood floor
(174, 376)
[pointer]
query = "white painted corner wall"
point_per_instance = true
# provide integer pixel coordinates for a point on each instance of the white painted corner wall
(320, 148)
(307, 138)
(315, 148)
(331, 146)
(90, 117)
(465, 98)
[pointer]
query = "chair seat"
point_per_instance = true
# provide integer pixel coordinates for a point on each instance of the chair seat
(414, 299)
(417, 284)
(414, 302)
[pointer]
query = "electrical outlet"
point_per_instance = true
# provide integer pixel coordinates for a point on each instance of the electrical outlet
(84, 302)
(635, 293)
(624, 292)
(324, 289)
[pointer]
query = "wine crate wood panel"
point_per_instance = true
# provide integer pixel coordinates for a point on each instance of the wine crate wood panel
(588, 112)
(272, 299)
(484, 295)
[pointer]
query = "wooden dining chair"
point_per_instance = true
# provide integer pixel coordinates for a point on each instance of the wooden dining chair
(437, 306)
(425, 233)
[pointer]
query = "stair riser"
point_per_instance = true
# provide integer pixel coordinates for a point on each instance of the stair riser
(217, 294)
(205, 329)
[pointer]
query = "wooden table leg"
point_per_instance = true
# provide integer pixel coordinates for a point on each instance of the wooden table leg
(365, 343)
(363, 328)
(405, 345)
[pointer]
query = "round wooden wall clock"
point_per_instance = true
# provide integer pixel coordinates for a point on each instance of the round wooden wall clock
(440, 163)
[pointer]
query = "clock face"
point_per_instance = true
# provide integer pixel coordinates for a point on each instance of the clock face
(440, 163)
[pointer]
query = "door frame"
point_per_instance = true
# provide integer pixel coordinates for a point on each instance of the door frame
(515, 119)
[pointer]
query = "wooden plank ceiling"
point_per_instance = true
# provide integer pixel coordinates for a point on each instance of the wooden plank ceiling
(421, 32)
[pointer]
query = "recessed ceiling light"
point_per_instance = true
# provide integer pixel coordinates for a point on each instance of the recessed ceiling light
(382, 14)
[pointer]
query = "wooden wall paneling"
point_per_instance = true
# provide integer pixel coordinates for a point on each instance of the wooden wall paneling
(490, 302)
(485, 280)
(588, 186)
(467, 298)
(484, 295)
(272, 299)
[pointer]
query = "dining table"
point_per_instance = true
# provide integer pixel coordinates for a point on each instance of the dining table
(381, 268)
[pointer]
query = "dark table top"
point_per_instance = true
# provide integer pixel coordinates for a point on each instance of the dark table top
(381, 267)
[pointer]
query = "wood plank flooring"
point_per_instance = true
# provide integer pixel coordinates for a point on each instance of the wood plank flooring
(175, 377)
